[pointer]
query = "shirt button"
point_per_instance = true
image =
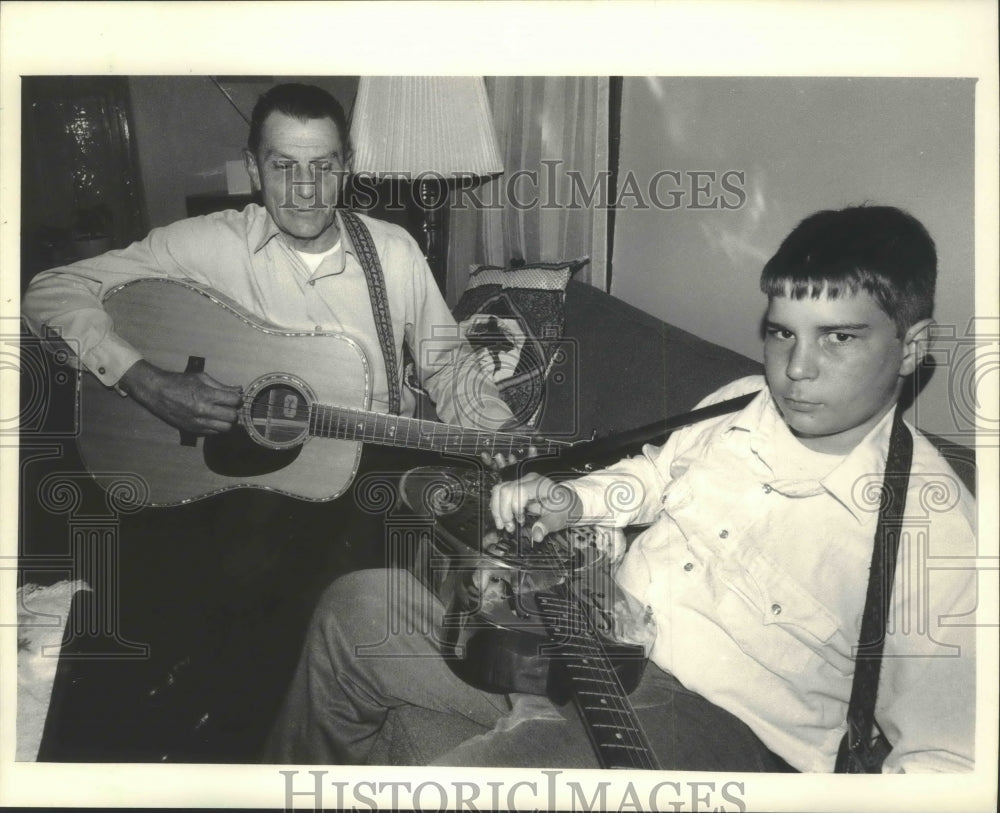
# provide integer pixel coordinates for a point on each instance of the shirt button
(689, 567)
(723, 534)
(767, 489)
(101, 370)
(776, 609)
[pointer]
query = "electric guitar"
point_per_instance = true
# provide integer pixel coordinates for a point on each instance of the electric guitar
(537, 618)
(305, 413)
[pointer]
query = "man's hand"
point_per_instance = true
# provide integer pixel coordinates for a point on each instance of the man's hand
(192, 402)
(500, 461)
(555, 505)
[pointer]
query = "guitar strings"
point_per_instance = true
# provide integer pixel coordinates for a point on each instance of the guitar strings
(634, 741)
(355, 424)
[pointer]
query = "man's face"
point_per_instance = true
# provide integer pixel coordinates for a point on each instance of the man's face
(299, 169)
(835, 366)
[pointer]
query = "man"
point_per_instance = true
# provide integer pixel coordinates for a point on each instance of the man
(754, 565)
(289, 263)
(213, 582)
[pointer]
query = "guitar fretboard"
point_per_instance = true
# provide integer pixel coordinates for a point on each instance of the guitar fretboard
(414, 433)
(611, 721)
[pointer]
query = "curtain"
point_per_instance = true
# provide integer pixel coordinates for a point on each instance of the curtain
(550, 204)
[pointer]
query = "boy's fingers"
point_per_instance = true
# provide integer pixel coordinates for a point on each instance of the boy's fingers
(509, 500)
(498, 504)
(544, 526)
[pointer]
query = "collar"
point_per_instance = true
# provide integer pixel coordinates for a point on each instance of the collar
(854, 482)
(264, 229)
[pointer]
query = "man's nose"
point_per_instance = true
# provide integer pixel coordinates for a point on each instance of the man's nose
(802, 361)
(305, 184)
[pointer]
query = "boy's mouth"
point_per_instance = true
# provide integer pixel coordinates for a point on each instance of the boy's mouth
(799, 405)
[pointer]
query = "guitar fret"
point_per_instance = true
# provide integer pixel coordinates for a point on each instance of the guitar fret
(623, 745)
(346, 423)
(618, 738)
(599, 679)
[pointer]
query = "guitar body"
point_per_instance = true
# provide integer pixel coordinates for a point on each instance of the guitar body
(178, 326)
(505, 647)
(496, 637)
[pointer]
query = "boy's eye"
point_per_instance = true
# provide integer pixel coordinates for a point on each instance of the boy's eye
(283, 165)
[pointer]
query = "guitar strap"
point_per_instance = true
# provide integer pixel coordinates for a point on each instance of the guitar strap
(859, 751)
(372, 266)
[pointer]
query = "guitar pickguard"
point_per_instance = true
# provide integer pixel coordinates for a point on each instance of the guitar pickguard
(235, 454)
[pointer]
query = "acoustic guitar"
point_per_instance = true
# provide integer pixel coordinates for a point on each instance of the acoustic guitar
(538, 618)
(304, 418)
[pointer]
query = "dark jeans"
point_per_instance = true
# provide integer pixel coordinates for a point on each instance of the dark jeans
(371, 647)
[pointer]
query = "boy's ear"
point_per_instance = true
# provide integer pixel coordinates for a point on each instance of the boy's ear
(916, 345)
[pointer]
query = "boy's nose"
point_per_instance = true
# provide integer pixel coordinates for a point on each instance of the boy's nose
(802, 362)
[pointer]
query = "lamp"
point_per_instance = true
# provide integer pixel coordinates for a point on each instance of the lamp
(430, 131)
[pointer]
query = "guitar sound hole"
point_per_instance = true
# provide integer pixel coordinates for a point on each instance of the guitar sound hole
(279, 415)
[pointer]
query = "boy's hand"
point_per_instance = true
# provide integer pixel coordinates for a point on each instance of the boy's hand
(192, 402)
(555, 505)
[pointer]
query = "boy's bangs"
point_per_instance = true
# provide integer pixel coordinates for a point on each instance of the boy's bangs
(812, 287)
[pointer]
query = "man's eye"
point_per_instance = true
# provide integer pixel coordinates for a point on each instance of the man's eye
(779, 333)
(841, 338)
(283, 165)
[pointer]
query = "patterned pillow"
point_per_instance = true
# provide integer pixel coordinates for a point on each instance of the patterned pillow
(513, 317)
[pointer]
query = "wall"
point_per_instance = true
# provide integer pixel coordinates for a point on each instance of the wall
(804, 144)
(186, 129)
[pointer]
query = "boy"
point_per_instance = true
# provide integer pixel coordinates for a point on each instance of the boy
(755, 564)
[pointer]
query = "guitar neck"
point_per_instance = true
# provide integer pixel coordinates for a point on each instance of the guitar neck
(614, 729)
(414, 433)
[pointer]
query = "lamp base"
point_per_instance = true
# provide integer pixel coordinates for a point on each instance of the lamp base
(431, 196)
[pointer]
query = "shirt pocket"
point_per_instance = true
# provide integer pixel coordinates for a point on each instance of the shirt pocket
(776, 621)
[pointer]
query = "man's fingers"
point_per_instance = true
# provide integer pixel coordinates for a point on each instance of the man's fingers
(227, 394)
(214, 427)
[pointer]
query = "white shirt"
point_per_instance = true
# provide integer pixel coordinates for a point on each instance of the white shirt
(242, 256)
(756, 568)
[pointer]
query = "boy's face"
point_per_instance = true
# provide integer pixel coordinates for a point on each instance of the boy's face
(835, 366)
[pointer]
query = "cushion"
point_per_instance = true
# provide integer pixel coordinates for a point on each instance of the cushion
(513, 318)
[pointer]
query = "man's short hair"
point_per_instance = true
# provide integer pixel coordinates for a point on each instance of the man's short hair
(881, 250)
(302, 102)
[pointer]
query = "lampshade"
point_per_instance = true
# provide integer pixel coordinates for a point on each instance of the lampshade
(424, 124)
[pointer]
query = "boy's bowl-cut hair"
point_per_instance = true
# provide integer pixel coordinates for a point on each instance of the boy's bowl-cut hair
(881, 250)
